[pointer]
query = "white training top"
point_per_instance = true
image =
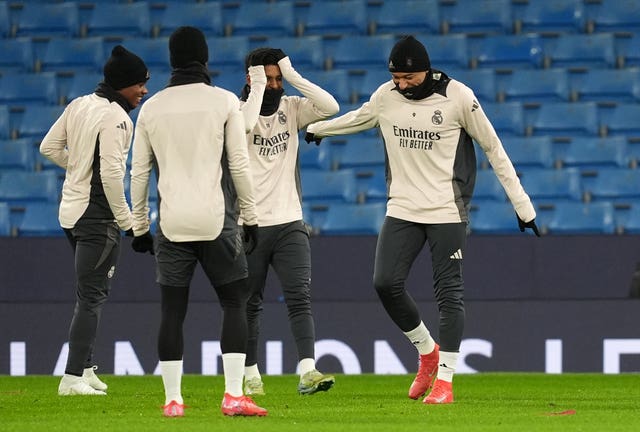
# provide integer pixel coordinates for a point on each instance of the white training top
(273, 143)
(187, 130)
(87, 122)
(430, 154)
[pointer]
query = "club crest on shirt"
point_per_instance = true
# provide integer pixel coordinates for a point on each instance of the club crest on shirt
(282, 117)
(437, 117)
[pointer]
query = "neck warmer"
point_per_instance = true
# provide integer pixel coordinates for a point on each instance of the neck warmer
(425, 89)
(106, 91)
(194, 72)
(271, 101)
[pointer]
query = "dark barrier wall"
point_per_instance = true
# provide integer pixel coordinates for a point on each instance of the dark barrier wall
(496, 267)
(554, 304)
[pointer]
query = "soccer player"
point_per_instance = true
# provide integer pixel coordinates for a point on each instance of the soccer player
(91, 141)
(194, 133)
(273, 121)
(428, 122)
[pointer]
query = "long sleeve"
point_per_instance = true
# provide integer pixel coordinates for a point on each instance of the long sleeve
(115, 141)
(54, 144)
(238, 156)
(352, 122)
(323, 104)
(251, 107)
(480, 128)
(141, 164)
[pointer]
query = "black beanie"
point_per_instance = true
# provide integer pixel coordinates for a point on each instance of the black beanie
(409, 55)
(124, 69)
(187, 45)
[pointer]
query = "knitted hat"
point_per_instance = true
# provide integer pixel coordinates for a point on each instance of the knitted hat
(187, 45)
(124, 69)
(409, 55)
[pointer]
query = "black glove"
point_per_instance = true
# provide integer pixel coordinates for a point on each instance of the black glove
(308, 137)
(143, 243)
(250, 238)
(129, 232)
(277, 54)
(531, 224)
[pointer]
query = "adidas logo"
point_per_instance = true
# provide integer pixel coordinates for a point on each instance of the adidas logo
(122, 125)
(475, 106)
(457, 255)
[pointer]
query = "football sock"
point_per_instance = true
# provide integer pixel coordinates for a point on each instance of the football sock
(421, 339)
(447, 365)
(172, 379)
(233, 364)
(306, 365)
(252, 372)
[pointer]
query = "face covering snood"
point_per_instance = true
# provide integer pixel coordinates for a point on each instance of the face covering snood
(270, 101)
(421, 91)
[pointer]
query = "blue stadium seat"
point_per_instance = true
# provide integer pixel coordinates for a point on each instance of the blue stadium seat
(5, 22)
(227, 54)
(48, 19)
(16, 155)
(507, 52)
(361, 153)
(595, 152)
(37, 120)
(305, 52)
(536, 85)
(566, 119)
(80, 84)
(314, 157)
(530, 152)
(581, 50)
(362, 52)
(607, 85)
(263, 19)
(507, 118)
(488, 187)
(408, 17)
(552, 185)
(230, 80)
(628, 51)
(631, 224)
(157, 81)
(373, 79)
(446, 51)
(335, 82)
(342, 18)
(41, 220)
(17, 55)
(614, 16)
(119, 19)
(326, 187)
(73, 55)
(21, 187)
(616, 185)
(20, 89)
(494, 218)
(154, 52)
(5, 220)
(570, 218)
(558, 16)
(372, 186)
(207, 16)
(5, 125)
(481, 81)
(354, 219)
(480, 17)
(623, 120)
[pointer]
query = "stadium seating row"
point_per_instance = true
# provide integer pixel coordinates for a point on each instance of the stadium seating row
(559, 120)
(521, 85)
(289, 18)
(567, 218)
(354, 53)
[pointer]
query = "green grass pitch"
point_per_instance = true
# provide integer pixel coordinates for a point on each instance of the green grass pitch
(483, 402)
